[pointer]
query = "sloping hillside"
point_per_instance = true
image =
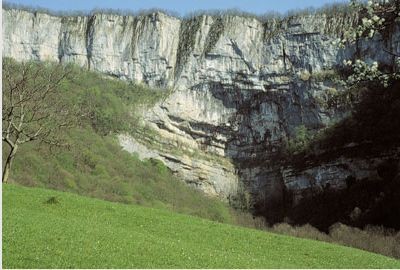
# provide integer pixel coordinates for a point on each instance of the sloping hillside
(94, 164)
(50, 229)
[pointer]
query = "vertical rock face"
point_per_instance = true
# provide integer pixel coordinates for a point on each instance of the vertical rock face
(240, 86)
(73, 44)
(140, 48)
(29, 35)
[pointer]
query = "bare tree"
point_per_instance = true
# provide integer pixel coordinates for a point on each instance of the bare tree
(33, 108)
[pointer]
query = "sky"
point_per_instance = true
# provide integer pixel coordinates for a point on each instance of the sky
(181, 7)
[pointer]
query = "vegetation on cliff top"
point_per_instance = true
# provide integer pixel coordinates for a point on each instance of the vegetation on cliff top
(334, 9)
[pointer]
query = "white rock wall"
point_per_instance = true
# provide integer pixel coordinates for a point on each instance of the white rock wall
(237, 81)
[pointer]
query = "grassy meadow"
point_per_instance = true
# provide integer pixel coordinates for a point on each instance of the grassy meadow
(49, 229)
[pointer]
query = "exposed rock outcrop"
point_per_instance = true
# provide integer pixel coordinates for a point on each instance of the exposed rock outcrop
(240, 87)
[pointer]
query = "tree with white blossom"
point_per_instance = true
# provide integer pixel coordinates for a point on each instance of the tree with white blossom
(379, 16)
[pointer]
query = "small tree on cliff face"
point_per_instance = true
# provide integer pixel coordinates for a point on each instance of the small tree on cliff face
(379, 17)
(33, 109)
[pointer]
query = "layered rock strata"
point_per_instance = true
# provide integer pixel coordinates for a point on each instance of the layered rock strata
(240, 86)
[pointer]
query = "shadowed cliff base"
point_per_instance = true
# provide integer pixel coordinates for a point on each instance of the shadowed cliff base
(372, 131)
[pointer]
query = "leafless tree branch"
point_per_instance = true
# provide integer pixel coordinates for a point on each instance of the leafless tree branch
(32, 106)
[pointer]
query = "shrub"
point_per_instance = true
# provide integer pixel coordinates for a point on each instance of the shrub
(371, 238)
(246, 219)
(325, 75)
(299, 142)
(304, 231)
(215, 32)
(109, 105)
(305, 75)
(52, 200)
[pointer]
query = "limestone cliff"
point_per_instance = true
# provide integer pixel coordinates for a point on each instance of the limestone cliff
(240, 87)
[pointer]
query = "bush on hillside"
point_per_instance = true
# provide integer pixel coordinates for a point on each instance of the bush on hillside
(372, 238)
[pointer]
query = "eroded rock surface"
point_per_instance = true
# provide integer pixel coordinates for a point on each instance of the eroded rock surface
(240, 86)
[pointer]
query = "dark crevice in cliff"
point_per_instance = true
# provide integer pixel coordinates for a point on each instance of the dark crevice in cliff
(89, 39)
(239, 52)
(137, 29)
(61, 40)
(284, 57)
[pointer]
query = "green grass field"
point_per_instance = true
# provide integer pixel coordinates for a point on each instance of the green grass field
(80, 232)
